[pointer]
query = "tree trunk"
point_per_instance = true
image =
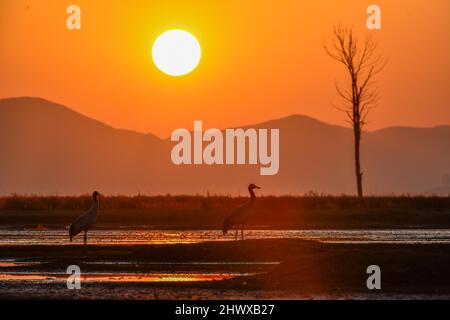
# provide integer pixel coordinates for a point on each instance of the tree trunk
(357, 132)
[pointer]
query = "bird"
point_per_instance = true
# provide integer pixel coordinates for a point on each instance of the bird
(87, 220)
(240, 214)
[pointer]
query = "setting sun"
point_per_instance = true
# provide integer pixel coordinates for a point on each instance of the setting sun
(176, 52)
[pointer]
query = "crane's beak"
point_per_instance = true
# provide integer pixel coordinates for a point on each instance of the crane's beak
(256, 187)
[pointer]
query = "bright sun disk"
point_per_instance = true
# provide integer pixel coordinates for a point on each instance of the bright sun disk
(176, 52)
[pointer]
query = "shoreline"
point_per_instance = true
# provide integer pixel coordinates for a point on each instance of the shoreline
(304, 269)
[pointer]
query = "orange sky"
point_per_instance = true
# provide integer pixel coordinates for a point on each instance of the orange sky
(261, 60)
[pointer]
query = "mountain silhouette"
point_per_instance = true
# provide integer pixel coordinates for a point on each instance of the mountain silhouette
(46, 148)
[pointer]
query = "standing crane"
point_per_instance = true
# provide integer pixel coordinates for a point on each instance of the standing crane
(85, 221)
(240, 214)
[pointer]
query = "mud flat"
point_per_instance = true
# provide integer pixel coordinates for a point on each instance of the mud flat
(250, 269)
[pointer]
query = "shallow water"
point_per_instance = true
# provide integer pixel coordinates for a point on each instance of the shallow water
(122, 279)
(9, 263)
(142, 237)
(50, 277)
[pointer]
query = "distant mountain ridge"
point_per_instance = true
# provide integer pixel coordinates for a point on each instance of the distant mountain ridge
(47, 148)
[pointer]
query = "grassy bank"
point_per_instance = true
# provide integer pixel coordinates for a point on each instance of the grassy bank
(196, 212)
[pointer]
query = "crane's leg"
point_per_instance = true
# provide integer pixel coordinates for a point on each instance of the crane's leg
(237, 230)
(242, 231)
(85, 237)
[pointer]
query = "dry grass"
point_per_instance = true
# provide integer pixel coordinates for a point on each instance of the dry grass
(193, 212)
(279, 203)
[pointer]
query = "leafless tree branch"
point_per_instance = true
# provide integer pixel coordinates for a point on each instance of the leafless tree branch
(362, 63)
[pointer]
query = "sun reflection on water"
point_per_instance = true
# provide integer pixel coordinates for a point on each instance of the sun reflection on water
(124, 277)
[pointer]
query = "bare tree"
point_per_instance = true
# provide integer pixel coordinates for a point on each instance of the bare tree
(362, 63)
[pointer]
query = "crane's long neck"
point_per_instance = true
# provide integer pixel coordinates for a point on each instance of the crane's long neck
(96, 205)
(252, 194)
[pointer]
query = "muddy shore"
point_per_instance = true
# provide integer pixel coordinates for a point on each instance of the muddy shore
(273, 269)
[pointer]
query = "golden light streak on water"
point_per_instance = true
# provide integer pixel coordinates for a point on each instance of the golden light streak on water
(124, 277)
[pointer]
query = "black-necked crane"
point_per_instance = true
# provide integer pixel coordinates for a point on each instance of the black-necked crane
(85, 221)
(240, 214)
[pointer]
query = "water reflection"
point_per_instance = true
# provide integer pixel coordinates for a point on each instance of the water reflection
(124, 277)
(141, 237)
(13, 263)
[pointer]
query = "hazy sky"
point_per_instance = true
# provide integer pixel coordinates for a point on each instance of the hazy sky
(261, 60)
